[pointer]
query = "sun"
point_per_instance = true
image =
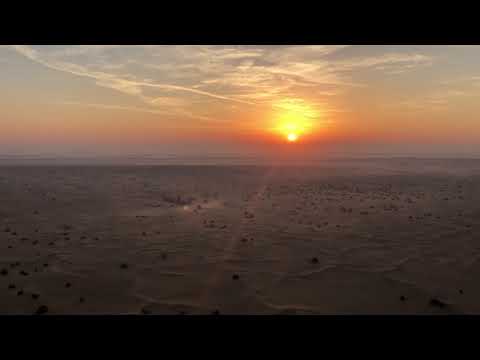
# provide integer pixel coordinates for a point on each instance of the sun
(292, 137)
(293, 119)
(291, 130)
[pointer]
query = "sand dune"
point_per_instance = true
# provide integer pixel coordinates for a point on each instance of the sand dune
(378, 236)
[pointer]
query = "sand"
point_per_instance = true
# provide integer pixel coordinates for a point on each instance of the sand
(341, 237)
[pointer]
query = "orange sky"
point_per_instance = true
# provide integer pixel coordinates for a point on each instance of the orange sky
(239, 99)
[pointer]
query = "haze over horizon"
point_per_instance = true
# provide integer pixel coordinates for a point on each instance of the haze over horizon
(80, 101)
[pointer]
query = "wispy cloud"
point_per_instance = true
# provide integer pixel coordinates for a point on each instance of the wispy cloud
(179, 112)
(169, 76)
(437, 100)
(109, 80)
(400, 61)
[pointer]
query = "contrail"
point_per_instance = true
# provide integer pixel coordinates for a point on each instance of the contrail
(116, 83)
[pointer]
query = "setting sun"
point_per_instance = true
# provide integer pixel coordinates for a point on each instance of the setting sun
(294, 119)
(292, 137)
(293, 129)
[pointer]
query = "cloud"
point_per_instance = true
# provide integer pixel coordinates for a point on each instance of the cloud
(382, 62)
(109, 80)
(172, 77)
(180, 112)
(437, 100)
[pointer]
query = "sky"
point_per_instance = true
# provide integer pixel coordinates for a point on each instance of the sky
(240, 100)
